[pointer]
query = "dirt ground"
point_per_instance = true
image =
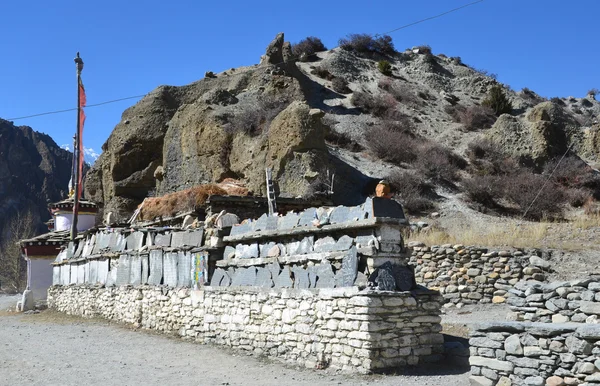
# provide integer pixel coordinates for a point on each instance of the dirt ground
(50, 348)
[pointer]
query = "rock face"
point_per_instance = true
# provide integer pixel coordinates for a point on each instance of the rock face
(232, 125)
(33, 171)
(545, 133)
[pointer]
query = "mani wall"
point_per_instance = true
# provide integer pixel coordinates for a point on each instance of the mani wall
(326, 286)
(535, 354)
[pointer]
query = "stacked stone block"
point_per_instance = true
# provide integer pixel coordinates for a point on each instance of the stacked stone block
(557, 302)
(467, 275)
(348, 329)
(535, 354)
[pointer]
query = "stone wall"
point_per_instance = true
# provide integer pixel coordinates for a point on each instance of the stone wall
(341, 328)
(557, 302)
(466, 275)
(535, 354)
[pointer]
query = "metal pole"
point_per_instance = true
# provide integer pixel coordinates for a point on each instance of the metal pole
(79, 65)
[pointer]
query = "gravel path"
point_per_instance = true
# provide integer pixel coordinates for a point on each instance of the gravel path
(50, 348)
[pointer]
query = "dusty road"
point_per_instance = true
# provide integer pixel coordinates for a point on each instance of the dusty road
(53, 349)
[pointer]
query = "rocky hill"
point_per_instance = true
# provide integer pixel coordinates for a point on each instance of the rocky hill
(360, 111)
(34, 170)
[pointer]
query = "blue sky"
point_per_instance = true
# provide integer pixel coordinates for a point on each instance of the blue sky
(131, 47)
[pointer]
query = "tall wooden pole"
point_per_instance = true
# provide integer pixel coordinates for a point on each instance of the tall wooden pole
(76, 150)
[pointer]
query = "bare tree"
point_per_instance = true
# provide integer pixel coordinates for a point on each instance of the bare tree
(13, 267)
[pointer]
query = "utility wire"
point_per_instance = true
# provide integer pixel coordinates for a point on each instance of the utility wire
(546, 182)
(432, 17)
(314, 54)
(74, 108)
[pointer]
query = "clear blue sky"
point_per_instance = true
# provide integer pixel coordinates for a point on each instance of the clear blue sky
(131, 46)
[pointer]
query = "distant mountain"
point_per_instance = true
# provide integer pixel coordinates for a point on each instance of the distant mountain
(34, 171)
(89, 155)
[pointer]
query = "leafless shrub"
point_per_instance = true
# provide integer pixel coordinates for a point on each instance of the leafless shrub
(438, 162)
(392, 145)
(400, 91)
(473, 117)
(482, 189)
(557, 101)
(322, 73)
(342, 140)
(306, 48)
(413, 190)
(367, 44)
(340, 85)
(380, 105)
(486, 159)
(540, 202)
(574, 173)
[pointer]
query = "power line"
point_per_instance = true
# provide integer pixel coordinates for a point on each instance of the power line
(432, 17)
(74, 108)
(139, 96)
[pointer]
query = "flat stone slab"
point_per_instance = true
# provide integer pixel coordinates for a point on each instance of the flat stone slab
(227, 253)
(162, 240)
(184, 269)
(135, 277)
(155, 267)
(264, 278)
(124, 271)
(217, 276)
(135, 241)
(244, 251)
(325, 275)
(284, 280)
(240, 229)
(349, 268)
(307, 217)
(301, 280)
(289, 221)
(170, 269)
(244, 277)
(177, 239)
(145, 268)
(264, 249)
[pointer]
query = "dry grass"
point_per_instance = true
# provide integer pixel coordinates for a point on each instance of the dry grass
(587, 221)
(523, 235)
(185, 200)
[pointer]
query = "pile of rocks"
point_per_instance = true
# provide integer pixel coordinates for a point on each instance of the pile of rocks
(535, 354)
(556, 302)
(467, 275)
(348, 329)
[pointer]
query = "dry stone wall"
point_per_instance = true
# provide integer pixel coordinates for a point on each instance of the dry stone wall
(535, 354)
(466, 275)
(556, 302)
(341, 328)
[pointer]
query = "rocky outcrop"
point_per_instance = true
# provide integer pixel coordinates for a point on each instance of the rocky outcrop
(234, 124)
(545, 133)
(34, 170)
